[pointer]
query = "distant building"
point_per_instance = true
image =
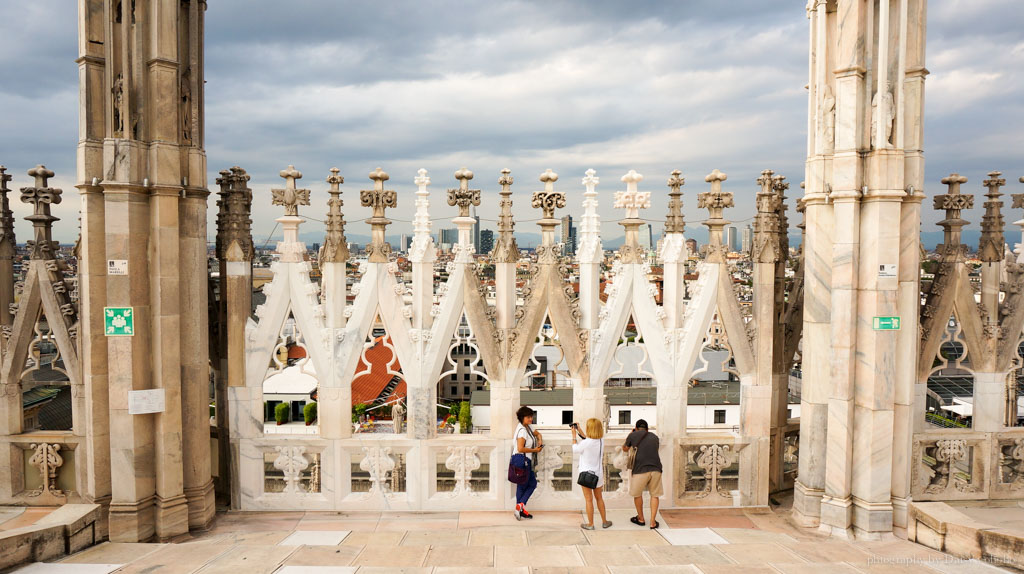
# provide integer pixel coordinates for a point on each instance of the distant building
(732, 238)
(404, 242)
(447, 237)
(568, 236)
(486, 241)
(476, 233)
(747, 239)
(647, 236)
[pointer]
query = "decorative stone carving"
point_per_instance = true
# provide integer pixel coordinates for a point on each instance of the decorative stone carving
(945, 453)
(992, 244)
(290, 197)
(589, 249)
(462, 460)
(291, 461)
(827, 130)
(883, 113)
(1011, 467)
(335, 249)
(549, 460)
(47, 459)
(398, 417)
(41, 195)
(675, 222)
(379, 199)
(712, 459)
(234, 223)
(6, 215)
(632, 201)
(505, 249)
(378, 462)
(422, 248)
(464, 197)
(715, 201)
(766, 222)
(549, 199)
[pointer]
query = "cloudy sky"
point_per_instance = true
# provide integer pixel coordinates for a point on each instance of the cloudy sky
(651, 86)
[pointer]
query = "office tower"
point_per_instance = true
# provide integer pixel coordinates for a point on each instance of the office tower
(568, 236)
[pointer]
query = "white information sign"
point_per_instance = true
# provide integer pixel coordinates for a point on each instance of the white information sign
(887, 270)
(117, 266)
(144, 402)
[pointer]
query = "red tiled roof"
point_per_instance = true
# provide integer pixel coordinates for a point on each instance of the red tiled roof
(369, 386)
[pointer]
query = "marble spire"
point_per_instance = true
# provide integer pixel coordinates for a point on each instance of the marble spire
(422, 248)
(41, 195)
(462, 196)
(952, 202)
(380, 200)
(991, 247)
(632, 201)
(335, 249)
(290, 197)
(547, 201)
(6, 216)
(589, 250)
(766, 222)
(505, 249)
(234, 222)
(675, 222)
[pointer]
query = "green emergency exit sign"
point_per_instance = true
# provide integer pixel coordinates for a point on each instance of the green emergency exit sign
(886, 323)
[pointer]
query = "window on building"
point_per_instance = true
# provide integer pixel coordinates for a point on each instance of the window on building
(719, 416)
(465, 376)
(465, 391)
(455, 391)
(479, 387)
(566, 417)
(789, 413)
(625, 417)
(465, 362)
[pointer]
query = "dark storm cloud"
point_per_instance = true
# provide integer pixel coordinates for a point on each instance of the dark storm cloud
(651, 86)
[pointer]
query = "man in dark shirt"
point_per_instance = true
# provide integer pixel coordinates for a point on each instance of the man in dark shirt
(646, 471)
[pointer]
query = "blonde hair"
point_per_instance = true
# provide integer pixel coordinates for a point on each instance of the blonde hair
(595, 429)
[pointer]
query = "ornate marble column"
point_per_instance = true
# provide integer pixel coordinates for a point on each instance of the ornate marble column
(505, 256)
(7, 248)
(334, 399)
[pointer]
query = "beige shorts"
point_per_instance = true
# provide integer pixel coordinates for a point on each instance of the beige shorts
(651, 481)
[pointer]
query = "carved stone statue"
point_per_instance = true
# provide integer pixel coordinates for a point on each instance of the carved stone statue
(398, 417)
(828, 119)
(186, 105)
(117, 91)
(882, 110)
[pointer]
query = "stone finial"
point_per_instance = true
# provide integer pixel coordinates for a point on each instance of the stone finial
(380, 200)
(290, 197)
(463, 196)
(632, 200)
(715, 201)
(549, 199)
(505, 249)
(675, 223)
(953, 202)
(421, 250)
(41, 196)
(1018, 203)
(589, 249)
(335, 249)
(6, 215)
(991, 247)
(234, 223)
(781, 186)
(766, 222)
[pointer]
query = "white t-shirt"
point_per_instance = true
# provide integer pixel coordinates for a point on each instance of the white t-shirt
(521, 432)
(591, 451)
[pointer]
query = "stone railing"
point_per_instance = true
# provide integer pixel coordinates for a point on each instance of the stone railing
(968, 465)
(707, 470)
(42, 471)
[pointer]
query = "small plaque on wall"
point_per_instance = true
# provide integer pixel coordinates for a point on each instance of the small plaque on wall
(886, 270)
(117, 266)
(145, 402)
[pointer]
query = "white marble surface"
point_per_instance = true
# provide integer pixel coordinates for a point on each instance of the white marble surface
(314, 538)
(690, 536)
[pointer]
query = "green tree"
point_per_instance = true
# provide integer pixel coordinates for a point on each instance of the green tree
(465, 417)
(281, 413)
(309, 413)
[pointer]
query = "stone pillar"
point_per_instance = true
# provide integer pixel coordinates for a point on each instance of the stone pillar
(674, 253)
(505, 394)
(8, 244)
(195, 363)
(589, 255)
(334, 406)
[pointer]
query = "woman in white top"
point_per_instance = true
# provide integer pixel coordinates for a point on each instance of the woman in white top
(527, 442)
(591, 451)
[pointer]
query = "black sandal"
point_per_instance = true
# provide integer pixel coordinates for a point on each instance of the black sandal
(654, 525)
(636, 520)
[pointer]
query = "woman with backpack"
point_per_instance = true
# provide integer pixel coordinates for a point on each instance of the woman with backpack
(591, 475)
(527, 444)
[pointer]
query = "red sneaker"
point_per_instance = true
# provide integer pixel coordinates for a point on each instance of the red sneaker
(525, 514)
(519, 511)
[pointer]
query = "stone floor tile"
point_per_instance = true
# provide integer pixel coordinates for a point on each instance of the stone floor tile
(341, 515)
(314, 538)
(113, 553)
(467, 556)
(387, 524)
(27, 517)
(900, 550)
(735, 569)
(467, 570)
(675, 569)
(955, 566)
(497, 538)
(758, 553)
(878, 567)
(537, 556)
(749, 535)
(705, 518)
(394, 556)
(690, 536)
(551, 520)
(815, 568)
(436, 538)
(609, 555)
(773, 522)
(56, 568)
(625, 538)
(419, 515)
(240, 538)
(556, 537)
(394, 570)
(620, 519)
(829, 551)
(669, 555)
(176, 558)
(249, 559)
(569, 570)
(315, 570)
(259, 525)
(350, 525)
(374, 539)
(323, 556)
